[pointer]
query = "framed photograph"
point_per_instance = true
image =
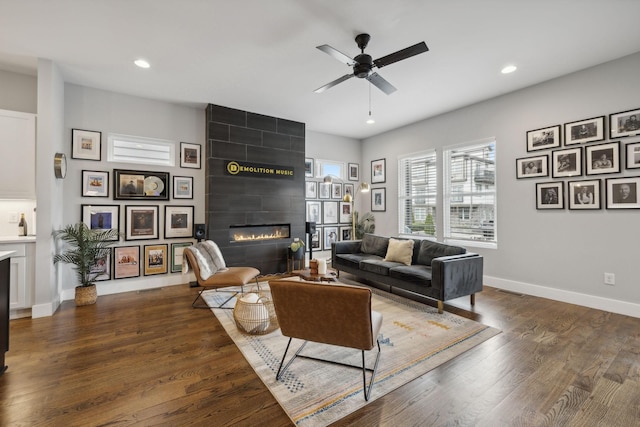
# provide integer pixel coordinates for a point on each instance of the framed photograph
(316, 237)
(178, 221)
(308, 167)
(86, 144)
(314, 212)
(190, 155)
(582, 131)
(324, 190)
(625, 123)
(378, 171)
(584, 194)
(633, 155)
(567, 162)
(541, 139)
(310, 190)
(345, 212)
(141, 222)
(101, 217)
(183, 187)
(532, 167)
(155, 259)
(140, 185)
(126, 262)
(353, 172)
(329, 212)
(330, 236)
(336, 190)
(622, 193)
(95, 184)
(602, 158)
(348, 189)
(345, 233)
(378, 199)
(102, 268)
(177, 251)
(550, 195)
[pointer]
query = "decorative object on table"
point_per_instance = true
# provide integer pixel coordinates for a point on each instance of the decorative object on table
(101, 217)
(379, 199)
(541, 139)
(602, 158)
(183, 187)
(140, 185)
(567, 162)
(156, 259)
(532, 167)
(378, 171)
(308, 167)
(622, 193)
(254, 312)
(95, 183)
(624, 123)
(190, 155)
(353, 172)
(550, 195)
(584, 131)
(84, 249)
(351, 198)
(365, 224)
(178, 221)
(126, 262)
(86, 144)
(141, 222)
(584, 195)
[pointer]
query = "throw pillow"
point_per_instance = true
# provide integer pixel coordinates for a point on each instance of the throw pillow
(400, 251)
(430, 250)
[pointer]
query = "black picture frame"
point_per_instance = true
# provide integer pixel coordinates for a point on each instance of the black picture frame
(585, 194)
(550, 195)
(353, 171)
(95, 183)
(140, 185)
(141, 222)
(314, 211)
(182, 187)
(102, 267)
(379, 199)
(156, 259)
(86, 144)
(602, 158)
(624, 124)
(101, 217)
(190, 155)
(310, 190)
(544, 138)
(308, 167)
(126, 262)
(623, 193)
(583, 131)
(532, 167)
(378, 171)
(632, 155)
(567, 162)
(178, 222)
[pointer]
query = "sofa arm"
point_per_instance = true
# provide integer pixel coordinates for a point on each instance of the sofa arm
(457, 275)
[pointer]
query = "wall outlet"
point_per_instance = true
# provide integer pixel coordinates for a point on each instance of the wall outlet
(13, 217)
(609, 279)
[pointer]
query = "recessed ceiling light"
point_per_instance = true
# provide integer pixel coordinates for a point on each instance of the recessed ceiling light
(509, 69)
(141, 63)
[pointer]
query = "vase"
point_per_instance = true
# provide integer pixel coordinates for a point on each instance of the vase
(86, 295)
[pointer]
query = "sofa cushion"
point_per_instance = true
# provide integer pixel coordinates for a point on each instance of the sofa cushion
(375, 245)
(399, 251)
(418, 274)
(352, 260)
(430, 250)
(378, 266)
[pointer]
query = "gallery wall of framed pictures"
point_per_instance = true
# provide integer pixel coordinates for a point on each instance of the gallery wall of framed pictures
(139, 204)
(581, 153)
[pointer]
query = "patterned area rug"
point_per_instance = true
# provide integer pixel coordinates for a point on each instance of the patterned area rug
(414, 339)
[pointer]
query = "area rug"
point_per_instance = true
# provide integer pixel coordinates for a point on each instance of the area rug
(414, 339)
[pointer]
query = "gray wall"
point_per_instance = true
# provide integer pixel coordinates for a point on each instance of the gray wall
(557, 254)
(18, 92)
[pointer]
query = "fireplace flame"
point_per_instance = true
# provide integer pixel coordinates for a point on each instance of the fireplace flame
(251, 237)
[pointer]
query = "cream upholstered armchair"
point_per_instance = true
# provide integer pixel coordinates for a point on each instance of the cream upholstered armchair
(336, 314)
(218, 275)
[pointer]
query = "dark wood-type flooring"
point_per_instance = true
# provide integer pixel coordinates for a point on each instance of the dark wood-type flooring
(148, 358)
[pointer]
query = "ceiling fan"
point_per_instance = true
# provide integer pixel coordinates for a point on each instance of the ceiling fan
(363, 65)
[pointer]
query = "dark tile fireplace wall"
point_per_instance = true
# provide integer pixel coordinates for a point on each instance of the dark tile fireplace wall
(236, 200)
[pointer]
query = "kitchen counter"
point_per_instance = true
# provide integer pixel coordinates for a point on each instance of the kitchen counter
(17, 239)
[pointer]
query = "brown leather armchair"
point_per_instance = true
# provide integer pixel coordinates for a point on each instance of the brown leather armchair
(233, 276)
(336, 314)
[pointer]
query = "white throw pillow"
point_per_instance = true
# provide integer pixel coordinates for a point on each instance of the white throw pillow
(399, 251)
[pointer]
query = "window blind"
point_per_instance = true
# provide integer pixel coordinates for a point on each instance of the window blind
(417, 194)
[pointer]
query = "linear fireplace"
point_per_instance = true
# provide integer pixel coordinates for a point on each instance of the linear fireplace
(253, 233)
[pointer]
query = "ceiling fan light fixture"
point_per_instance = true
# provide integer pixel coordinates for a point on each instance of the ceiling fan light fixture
(370, 120)
(509, 69)
(142, 63)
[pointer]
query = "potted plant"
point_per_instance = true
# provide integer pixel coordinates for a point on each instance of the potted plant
(364, 224)
(296, 249)
(84, 249)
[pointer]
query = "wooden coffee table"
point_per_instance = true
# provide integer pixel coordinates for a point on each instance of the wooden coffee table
(306, 274)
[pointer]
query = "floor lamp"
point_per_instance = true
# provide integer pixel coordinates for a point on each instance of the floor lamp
(364, 188)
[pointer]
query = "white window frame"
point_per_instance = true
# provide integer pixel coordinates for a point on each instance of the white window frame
(140, 150)
(406, 195)
(331, 168)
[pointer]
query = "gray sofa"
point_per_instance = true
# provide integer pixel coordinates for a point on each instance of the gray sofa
(438, 271)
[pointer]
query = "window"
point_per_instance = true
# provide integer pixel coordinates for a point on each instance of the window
(330, 168)
(470, 192)
(136, 149)
(418, 190)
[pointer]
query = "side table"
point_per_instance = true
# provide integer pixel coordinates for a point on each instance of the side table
(306, 274)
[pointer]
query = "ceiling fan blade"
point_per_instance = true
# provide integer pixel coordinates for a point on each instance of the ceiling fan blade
(401, 54)
(336, 54)
(378, 81)
(333, 83)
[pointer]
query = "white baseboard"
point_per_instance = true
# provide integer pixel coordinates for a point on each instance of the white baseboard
(591, 301)
(42, 310)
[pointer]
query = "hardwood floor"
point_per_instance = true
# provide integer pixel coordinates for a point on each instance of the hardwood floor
(148, 358)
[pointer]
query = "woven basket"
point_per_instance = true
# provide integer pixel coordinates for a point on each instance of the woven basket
(256, 318)
(86, 295)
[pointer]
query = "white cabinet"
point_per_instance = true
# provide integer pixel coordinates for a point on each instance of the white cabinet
(18, 155)
(22, 274)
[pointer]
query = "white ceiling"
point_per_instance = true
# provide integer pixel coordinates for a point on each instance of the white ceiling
(260, 55)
